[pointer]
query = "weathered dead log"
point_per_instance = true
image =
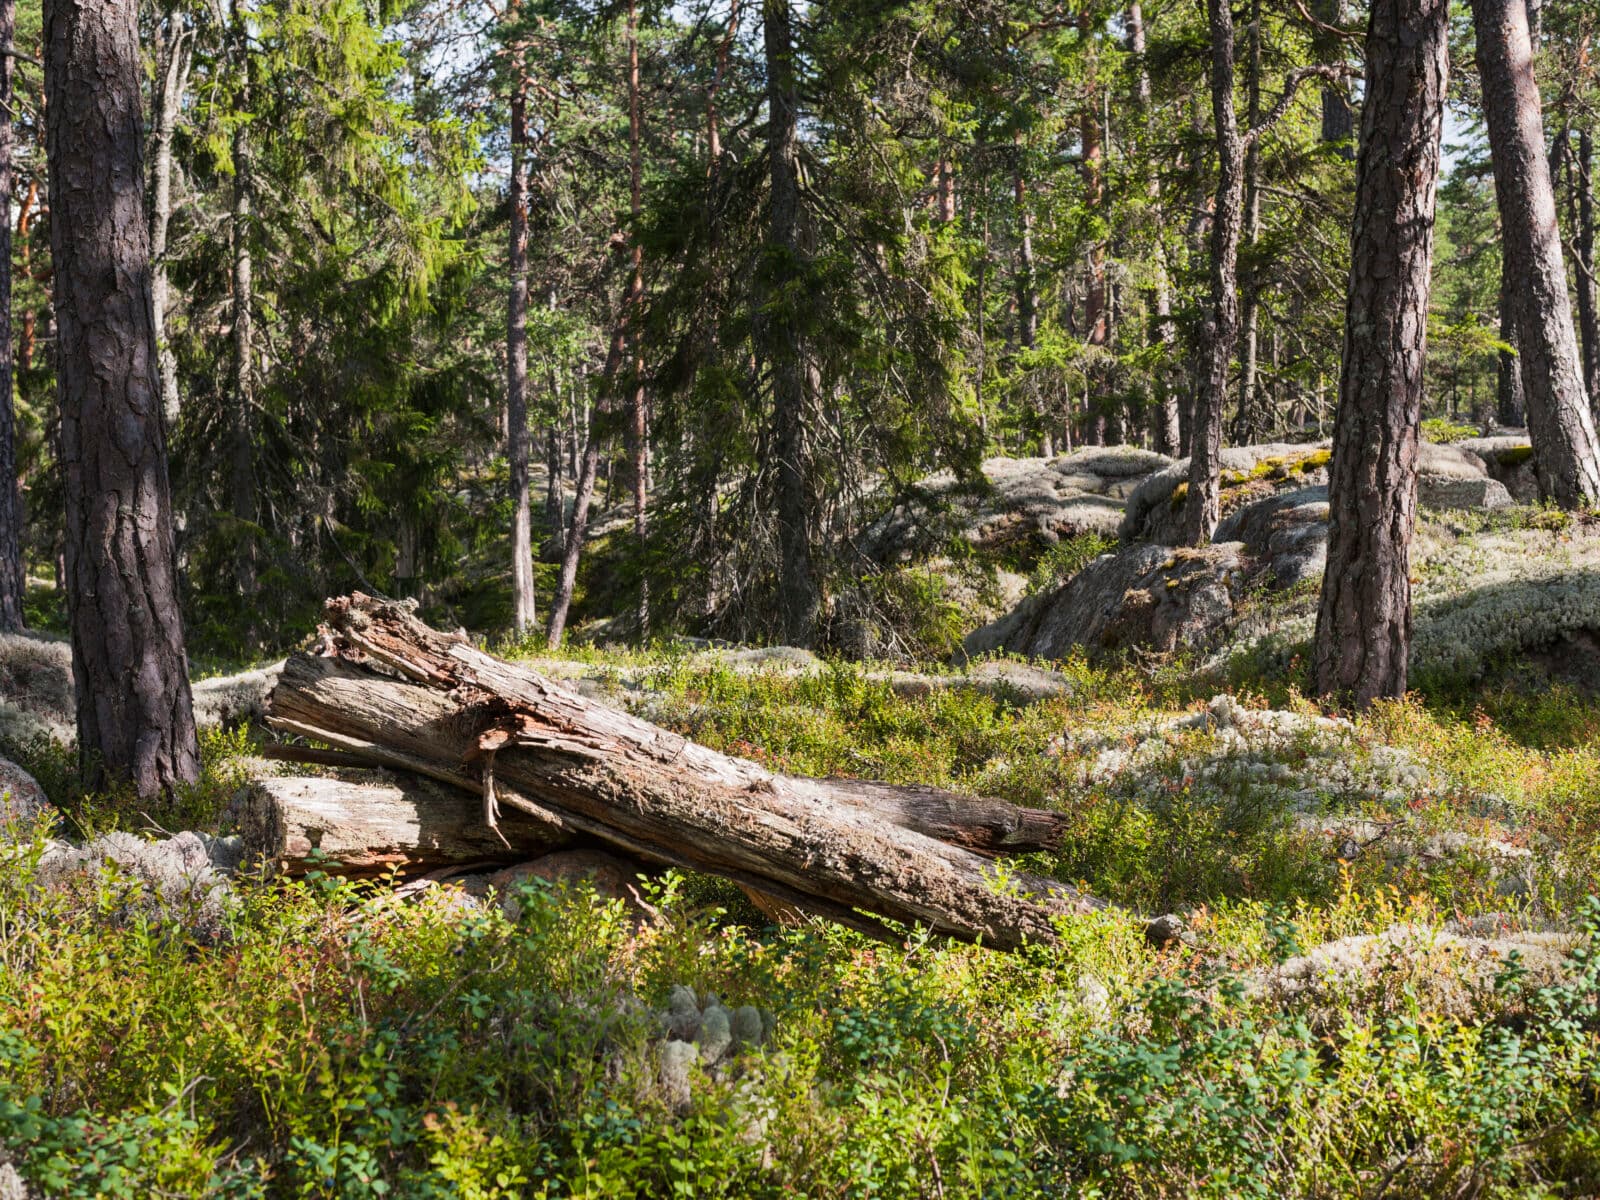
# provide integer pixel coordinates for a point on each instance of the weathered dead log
(464, 717)
(367, 827)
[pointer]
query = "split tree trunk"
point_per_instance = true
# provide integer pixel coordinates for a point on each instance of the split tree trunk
(408, 823)
(1560, 424)
(135, 715)
(595, 772)
(295, 824)
(13, 580)
(1364, 622)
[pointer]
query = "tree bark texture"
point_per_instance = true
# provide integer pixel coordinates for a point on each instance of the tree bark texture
(638, 411)
(522, 598)
(1164, 422)
(13, 581)
(1251, 420)
(177, 52)
(825, 845)
(1510, 409)
(401, 823)
(135, 714)
(1220, 333)
(1560, 423)
(793, 372)
(1364, 621)
(1582, 176)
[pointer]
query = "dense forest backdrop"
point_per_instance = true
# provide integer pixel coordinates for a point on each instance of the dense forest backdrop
(425, 272)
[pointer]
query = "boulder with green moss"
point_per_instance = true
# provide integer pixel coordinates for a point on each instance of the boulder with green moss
(1021, 506)
(1509, 459)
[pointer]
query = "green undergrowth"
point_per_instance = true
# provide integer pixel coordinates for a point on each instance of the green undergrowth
(336, 1043)
(339, 1045)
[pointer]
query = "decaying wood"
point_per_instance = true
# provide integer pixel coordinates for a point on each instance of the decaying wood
(367, 827)
(587, 769)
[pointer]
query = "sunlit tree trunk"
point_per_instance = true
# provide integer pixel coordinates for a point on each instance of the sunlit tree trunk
(135, 714)
(1027, 284)
(1560, 423)
(1364, 620)
(1250, 420)
(1582, 176)
(177, 47)
(1096, 316)
(517, 449)
(12, 577)
(1220, 333)
(1164, 423)
(1510, 410)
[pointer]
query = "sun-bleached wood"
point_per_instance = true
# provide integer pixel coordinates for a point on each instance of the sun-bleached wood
(430, 702)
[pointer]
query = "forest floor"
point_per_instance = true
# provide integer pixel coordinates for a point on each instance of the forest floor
(1388, 986)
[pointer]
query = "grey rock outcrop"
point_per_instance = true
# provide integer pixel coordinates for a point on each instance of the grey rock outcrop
(37, 698)
(1287, 533)
(1155, 509)
(1148, 596)
(22, 800)
(1508, 457)
(1154, 515)
(1444, 492)
(1037, 500)
(180, 881)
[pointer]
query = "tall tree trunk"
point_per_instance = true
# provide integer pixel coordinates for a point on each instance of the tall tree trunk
(1588, 286)
(555, 503)
(1250, 424)
(1196, 231)
(1560, 424)
(242, 471)
(638, 413)
(1096, 319)
(1220, 333)
(1364, 622)
(793, 372)
(713, 118)
(1510, 410)
(522, 598)
(1164, 423)
(1027, 283)
(176, 54)
(25, 340)
(12, 577)
(135, 714)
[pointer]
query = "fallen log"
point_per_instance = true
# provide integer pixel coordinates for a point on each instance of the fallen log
(465, 718)
(366, 827)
